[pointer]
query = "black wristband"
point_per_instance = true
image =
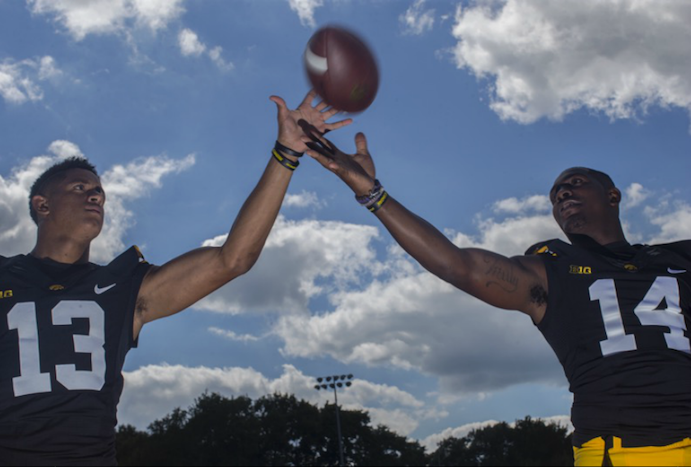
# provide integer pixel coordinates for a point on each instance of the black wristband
(284, 161)
(379, 203)
(287, 150)
(374, 193)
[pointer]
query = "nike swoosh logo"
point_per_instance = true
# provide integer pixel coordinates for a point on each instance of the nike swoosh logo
(98, 290)
(676, 271)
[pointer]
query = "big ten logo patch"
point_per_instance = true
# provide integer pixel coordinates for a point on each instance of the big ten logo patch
(5, 294)
(580, 270)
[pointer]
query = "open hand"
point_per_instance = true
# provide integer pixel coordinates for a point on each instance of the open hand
(356, 170)
(290, 133)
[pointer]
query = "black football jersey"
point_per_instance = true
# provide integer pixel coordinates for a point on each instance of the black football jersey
(618, 319)
(64, 334)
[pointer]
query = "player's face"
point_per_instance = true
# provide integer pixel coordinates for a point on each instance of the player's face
(580, 203)
(75, 204)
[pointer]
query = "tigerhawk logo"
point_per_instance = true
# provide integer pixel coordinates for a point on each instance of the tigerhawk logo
(544, 251)
(6, 294)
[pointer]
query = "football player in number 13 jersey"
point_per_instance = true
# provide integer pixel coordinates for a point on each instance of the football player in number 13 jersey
(616, 314)
(66, 324)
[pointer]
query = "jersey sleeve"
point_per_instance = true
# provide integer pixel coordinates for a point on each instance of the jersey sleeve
(131, 268)
(682, 248)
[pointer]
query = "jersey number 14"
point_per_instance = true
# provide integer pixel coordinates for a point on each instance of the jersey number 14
(649, 312)
(22, 317)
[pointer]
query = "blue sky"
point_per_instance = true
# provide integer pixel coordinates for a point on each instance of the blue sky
(481, 104)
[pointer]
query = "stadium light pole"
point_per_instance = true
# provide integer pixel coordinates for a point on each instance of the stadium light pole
(335, 382)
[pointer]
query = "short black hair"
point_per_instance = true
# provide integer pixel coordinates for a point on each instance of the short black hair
(604, 179)
(54, 173)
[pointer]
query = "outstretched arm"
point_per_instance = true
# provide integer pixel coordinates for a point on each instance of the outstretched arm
(185, 280)
(517, 283)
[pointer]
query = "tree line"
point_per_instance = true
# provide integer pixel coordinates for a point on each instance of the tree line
(282, 430)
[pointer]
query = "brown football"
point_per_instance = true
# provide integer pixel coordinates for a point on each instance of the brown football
(342, 69)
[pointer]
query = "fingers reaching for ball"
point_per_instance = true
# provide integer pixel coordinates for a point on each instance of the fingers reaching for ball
(290, 132)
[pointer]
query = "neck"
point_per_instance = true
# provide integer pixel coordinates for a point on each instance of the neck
(62, 250)
(602, 238)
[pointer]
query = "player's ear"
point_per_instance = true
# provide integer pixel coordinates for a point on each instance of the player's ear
(40, 205)
(614, 196)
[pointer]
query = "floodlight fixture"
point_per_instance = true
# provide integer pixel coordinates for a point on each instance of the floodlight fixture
(336, 384)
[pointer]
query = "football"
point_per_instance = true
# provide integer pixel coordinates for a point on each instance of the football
(342, 69)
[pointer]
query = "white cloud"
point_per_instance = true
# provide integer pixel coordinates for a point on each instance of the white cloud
(123, 184)
(153, 391)
(419, 323)
(513, 235)
(64, 149)
(82, 18)
(216, 56)
(189, 43)
(534, 203)
(156, 14)
(305, 199)
(415, 20)
(432, 441)
(305, 10)
(233, 336)
(47, 68)
(673, 220)
(634, 195)
(548, 59)
(18, 80)
(297, 255)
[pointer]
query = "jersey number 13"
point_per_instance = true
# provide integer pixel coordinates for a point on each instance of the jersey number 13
(22, 317)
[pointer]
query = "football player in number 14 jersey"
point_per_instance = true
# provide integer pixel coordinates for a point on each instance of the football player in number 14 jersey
(66, 324)
(615, 314)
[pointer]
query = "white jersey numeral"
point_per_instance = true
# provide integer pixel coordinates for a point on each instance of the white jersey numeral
(649, 312)
(665, 290)
(617, 340)
(22, 317)
(93, 344)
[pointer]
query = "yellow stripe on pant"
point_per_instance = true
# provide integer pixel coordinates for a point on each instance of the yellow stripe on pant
(592, 454)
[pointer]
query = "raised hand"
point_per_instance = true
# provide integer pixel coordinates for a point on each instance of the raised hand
(290, 133)
(356, 170)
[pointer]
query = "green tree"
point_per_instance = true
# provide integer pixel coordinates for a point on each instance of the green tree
(222, 431)
(131, 445)
(289, 431)
(529, 442)
(282, 430)
(274, 430)
(167, 440)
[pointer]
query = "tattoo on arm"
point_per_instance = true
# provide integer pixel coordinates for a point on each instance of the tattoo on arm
(499, 275)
